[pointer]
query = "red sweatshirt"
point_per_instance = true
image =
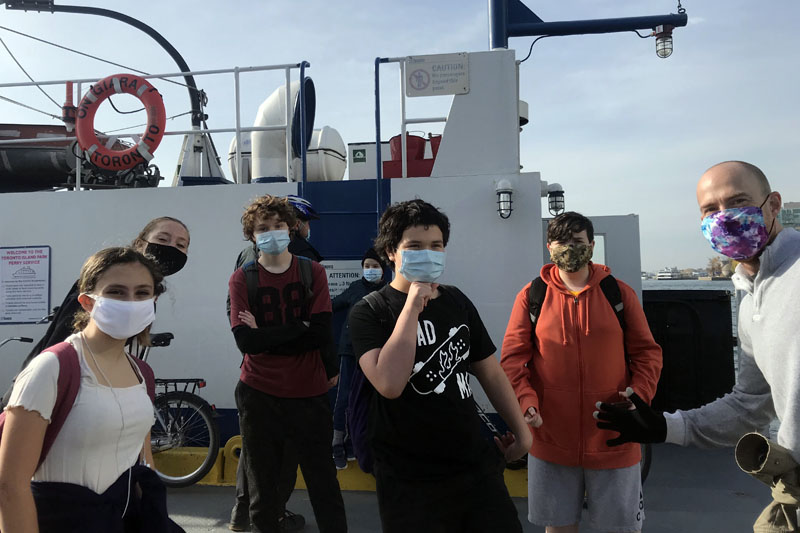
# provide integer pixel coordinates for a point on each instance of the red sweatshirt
(577, 360)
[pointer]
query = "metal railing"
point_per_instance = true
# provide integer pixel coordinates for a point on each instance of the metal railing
(404, 121)
(238, 129)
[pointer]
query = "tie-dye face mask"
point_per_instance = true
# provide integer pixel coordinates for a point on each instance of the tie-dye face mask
(739, 233)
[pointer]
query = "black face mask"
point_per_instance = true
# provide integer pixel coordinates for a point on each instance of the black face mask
(169, 258)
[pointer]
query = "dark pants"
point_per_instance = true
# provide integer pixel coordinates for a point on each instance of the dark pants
(268, 423)
(346, 366)
(472, 502)
(138, 492)
(287, 479)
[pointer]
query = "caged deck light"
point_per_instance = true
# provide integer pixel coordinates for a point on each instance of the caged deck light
(504, 201)
(555, 199)
(663, 36)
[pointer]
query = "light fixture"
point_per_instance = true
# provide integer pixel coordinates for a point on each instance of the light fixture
(663, 40)
(555, 199)
(504, 192)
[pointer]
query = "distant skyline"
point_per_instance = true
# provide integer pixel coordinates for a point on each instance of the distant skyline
(622, 130)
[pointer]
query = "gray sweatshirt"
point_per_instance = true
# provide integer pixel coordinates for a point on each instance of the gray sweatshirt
(769, 359)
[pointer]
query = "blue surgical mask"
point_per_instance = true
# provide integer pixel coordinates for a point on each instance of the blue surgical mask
(373, 274)
(273, 242)
(422, 265)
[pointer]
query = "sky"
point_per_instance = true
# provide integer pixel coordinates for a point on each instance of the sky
(621, 129)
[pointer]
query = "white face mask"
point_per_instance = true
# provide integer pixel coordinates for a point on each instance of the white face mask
(122, 319)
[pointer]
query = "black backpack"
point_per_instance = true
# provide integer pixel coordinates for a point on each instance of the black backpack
(608, 285)
(361, 390)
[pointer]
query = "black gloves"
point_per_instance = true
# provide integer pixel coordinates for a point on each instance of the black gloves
(634, 425)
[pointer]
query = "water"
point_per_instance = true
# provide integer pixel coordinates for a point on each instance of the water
(687, 284)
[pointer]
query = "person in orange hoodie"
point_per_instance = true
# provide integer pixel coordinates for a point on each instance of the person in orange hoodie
(577, 356)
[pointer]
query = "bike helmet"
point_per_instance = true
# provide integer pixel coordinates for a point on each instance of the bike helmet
(302, 207)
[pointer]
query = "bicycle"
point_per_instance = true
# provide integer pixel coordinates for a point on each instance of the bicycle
(185, 424)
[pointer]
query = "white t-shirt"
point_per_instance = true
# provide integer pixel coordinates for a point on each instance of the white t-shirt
(103, 433)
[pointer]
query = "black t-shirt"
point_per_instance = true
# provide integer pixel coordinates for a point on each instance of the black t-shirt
(432, 430)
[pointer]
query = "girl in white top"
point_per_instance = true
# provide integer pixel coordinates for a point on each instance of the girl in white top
(107, 429)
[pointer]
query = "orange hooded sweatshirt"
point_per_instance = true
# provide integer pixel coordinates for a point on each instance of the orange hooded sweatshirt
(577, 360)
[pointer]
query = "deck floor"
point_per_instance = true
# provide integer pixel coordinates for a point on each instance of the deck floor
(689, 490)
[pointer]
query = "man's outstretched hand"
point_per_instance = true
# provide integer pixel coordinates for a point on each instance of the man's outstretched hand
(637, 424)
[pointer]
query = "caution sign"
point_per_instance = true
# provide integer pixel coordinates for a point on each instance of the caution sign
(24, 284)
(435, 75)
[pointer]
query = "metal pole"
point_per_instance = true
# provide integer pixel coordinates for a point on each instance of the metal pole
(580, 27)
(287, 132)
(403, 147)
(303, 146)
(378, 162)
(498, 24)
(239, 174)
(78, 156)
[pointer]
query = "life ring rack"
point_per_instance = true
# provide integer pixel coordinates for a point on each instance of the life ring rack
(101, 155)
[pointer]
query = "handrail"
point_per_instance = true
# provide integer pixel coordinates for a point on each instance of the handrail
(237, 129)
(404, 121)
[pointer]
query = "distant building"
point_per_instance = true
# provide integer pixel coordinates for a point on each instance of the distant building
(789, 216)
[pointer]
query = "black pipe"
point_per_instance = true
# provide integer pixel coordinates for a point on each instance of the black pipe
(194, 93)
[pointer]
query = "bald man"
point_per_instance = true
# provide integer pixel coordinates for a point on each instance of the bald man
(739, 217)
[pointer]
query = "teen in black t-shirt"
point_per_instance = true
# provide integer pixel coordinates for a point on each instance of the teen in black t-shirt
(434, 470)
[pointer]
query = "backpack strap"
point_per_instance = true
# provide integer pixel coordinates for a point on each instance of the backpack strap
(69, 381)
(306, 276)
(380, 307)
(251, 279)
(149, 378)
(536, 294)
(610, 287)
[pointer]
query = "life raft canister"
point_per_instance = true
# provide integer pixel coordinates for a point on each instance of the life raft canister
(101, 155)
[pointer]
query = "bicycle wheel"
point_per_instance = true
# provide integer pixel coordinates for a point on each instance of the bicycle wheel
(184, 426)
(647, 458)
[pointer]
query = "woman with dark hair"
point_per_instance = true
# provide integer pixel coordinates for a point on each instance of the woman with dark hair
(372, 280)
(77, 470)
(164, 239)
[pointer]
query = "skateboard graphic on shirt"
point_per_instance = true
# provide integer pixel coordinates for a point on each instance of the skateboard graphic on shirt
(431, 375)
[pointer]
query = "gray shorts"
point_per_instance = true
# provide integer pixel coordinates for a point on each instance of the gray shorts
(556, 495)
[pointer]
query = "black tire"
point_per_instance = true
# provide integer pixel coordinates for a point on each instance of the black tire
(647, 458)
(188, 422)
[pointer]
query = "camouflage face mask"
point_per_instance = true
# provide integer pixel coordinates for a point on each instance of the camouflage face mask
(570, 257)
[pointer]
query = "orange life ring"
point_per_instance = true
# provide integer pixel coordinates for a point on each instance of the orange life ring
(101, 154)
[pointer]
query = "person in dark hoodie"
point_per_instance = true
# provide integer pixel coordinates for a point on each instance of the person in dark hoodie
(372, 280)
(301, 232)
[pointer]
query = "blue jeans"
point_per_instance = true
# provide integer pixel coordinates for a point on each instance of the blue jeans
(346, 366)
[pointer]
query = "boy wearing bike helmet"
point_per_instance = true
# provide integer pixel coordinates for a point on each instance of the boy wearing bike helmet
(301, 232)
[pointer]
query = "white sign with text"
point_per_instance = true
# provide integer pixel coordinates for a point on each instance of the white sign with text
(341, 274)
(24, 284)
(435, 75)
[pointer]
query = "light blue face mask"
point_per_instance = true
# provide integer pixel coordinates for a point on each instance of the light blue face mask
(273, 242)
(373, 274)
(422, 265)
